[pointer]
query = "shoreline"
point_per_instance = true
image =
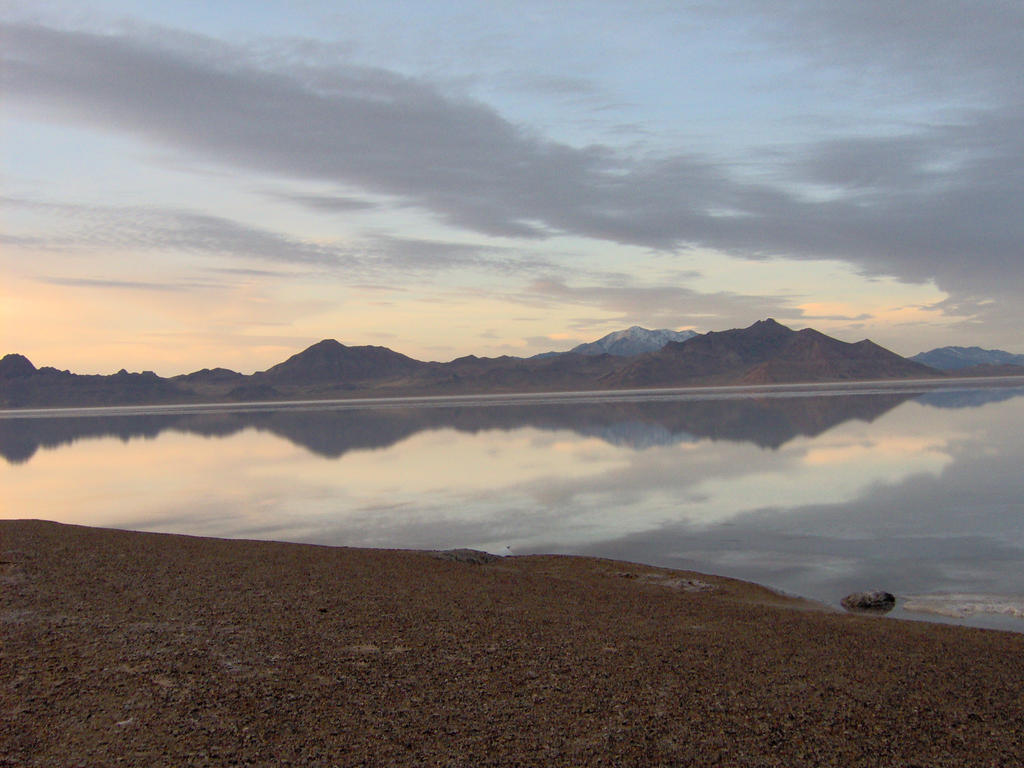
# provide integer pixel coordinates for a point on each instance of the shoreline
(696, 392)
(169, 649)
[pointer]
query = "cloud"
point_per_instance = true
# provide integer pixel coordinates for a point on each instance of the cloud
(419, 253)
(328, 203)
(89, 282)
(559, 85)
(933, 202)
(662, 306)
(846, 318)
(141, 229)
(247, 272)
(915, 45)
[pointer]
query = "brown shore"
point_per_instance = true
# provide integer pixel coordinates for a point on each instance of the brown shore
(121, 648)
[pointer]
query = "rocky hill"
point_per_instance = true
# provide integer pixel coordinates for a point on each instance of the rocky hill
(766, 352)
(24, 385)
(331, 361)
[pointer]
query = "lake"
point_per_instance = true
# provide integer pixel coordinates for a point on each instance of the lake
(816, 491)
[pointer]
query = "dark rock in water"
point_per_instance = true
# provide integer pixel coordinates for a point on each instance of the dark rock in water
(471, 556)
(869, 602)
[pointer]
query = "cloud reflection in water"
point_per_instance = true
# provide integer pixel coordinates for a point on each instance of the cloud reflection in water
(817, 495)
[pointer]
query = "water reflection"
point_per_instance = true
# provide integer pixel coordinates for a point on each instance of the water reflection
(819, 495)
(767, 422)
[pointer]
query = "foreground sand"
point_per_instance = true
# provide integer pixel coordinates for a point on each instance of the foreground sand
(144, 649)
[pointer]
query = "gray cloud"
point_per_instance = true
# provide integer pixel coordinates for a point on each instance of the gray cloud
(662, 306)
(376, 256)
(328, 203)
(21, 241)
(409, 253)
(558, 85)
(151, 228)
(214, 234)
(91, 282)
(247, 272)
(852, 319)
(915, 45)
(935, 202)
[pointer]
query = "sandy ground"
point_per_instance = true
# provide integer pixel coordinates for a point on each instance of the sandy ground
(156, 650)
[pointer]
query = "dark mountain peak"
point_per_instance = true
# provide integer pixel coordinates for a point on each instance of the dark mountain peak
(210, 375)
(325, 345)
(811, 355)
(762, 329)
(327, 349)
(809, 337)
(762, 353)
(769, 327)
(15, 366)
(870, 345)
(755, 342)
(330, 361)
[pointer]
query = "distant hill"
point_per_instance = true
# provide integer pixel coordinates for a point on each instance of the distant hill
(766, 352)
(16, 367)
(958, 358)
(330, 361)
(210, 375)
(24, 385)
(813, 356)
(763, 353)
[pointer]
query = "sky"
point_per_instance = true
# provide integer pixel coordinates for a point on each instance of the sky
(194, 184)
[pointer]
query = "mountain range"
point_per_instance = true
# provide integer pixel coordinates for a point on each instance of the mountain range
(959, 358)
(763, 353)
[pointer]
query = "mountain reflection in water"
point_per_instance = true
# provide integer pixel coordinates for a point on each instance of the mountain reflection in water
(765, 422)
(816, 493)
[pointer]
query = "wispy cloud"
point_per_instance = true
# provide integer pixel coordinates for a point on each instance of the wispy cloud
(175, 231)
(134, 285)
(328, 203)
(146, 228)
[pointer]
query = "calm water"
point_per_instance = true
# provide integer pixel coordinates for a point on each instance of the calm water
(813, 492)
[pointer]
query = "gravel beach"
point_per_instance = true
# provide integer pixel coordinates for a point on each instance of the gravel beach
(121, 648)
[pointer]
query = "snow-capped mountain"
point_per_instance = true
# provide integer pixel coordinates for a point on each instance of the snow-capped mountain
(956, 358)
(632, 341)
